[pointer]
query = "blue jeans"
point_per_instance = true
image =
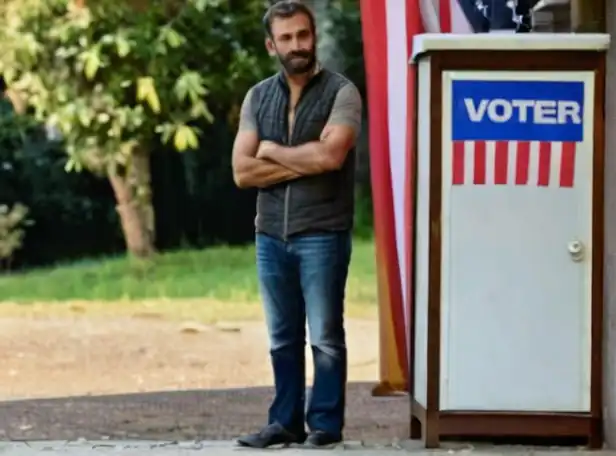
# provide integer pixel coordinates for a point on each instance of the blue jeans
(304, 278)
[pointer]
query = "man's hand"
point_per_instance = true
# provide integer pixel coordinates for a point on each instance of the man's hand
(266, 150)
(252, 169)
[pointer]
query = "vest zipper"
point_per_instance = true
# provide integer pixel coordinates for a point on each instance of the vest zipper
(287, 196)
(289, 142)
(287, 190)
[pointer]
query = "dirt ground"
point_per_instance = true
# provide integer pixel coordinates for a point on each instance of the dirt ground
(103, 377)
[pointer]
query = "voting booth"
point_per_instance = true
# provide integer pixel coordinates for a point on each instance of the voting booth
(506, 329)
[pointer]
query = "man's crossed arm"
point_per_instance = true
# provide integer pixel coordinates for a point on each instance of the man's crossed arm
(248, 170)
(260, 164)
(337, 138)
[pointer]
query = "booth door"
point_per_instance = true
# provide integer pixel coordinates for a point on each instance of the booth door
(516, 241)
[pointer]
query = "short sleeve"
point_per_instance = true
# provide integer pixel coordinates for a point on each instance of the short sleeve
(247, 117)
(347, 108)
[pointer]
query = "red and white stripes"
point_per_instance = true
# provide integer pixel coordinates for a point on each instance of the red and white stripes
(533, 163)
(388, 30)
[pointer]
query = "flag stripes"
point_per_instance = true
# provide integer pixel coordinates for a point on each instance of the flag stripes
(535, 163)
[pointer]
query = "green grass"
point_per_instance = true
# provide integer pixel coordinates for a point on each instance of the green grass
(219, 274)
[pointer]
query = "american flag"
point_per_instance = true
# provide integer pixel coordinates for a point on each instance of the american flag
(388, 30)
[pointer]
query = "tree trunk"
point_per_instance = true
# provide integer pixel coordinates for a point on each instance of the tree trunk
(141, 180)
(134, 205)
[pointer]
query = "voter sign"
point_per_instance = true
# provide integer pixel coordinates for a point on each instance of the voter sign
(522, 115)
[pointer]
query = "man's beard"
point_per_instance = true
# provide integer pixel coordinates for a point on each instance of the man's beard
(296, 66)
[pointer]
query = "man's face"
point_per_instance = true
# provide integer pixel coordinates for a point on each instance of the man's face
(293, 42)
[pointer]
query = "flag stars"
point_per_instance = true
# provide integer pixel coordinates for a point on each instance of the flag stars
(482, 7)
(515, 18)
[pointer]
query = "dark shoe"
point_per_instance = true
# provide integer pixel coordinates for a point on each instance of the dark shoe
(320, 439)
(272, 434)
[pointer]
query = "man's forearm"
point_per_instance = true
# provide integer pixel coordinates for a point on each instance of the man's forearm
(255, 172)
(307, 159)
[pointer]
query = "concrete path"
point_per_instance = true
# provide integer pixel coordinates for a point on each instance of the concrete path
(225, 448)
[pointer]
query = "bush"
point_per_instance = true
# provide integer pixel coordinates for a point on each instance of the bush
(13, 221)
(74, 213)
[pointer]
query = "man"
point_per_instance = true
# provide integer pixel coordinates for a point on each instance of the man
(295, 143)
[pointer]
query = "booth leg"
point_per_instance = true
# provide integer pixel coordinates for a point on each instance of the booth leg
(432, 440)
(431, 436)
(596, 437)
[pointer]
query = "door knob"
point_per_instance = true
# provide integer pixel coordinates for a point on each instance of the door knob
(576, 250)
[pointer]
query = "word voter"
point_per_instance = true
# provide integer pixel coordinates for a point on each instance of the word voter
(544, 112)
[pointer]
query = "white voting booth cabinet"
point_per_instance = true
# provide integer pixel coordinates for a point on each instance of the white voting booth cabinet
(506, 331)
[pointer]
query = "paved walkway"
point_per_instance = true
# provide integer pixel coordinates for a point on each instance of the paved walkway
(226, 448)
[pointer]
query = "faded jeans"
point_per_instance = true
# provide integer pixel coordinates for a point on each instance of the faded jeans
(304, 278)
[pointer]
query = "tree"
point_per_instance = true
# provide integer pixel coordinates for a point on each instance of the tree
(115, 78)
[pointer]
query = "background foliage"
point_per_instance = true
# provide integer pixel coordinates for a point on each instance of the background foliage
(195, 201)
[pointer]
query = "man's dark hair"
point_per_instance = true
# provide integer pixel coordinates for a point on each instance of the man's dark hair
(286, 9)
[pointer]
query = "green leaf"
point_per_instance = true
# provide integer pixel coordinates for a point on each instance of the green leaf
(185, 138)
(69, 165)
(200, 5)
(172, 37)
(73, 165)
(146, 91)
(165, 130)
(91, 62)
(190, 85)
(85, 116)
(200, 109)
(122, 46)
(9, 75)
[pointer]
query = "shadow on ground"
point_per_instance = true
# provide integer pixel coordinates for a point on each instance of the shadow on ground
(185, 415)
